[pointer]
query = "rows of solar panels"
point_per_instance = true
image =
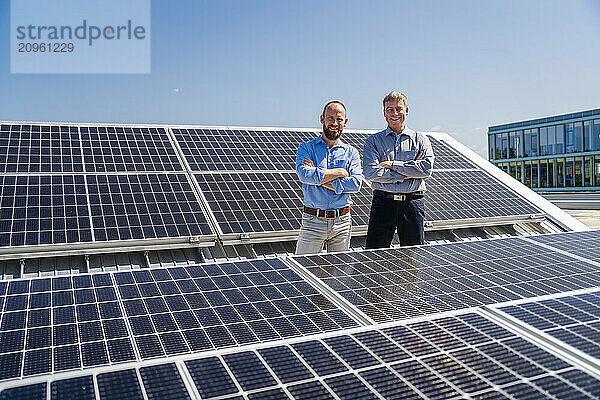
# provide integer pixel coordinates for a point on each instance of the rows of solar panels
(306, 327)
(81, 184)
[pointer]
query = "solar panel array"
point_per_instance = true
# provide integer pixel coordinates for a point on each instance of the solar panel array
(114, 149)
(459, 356)
(584, 244)
(448, 158)
(468, 194)
(238, 327)
(246, 175)
(399, 283)
(124, 201)
(54, 324)
(574, 320)
(264, 201)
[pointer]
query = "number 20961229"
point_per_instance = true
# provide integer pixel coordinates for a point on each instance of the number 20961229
(45, 47)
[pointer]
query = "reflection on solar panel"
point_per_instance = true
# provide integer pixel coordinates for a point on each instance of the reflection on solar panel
(448, 158)
(34, 148)
(584, 244)
(459, 356)
(263, 202)
(62, 323)
(575, 320)
(43, 210)
(397, 283)
(144, 206)
(109, 149)
(455, 195)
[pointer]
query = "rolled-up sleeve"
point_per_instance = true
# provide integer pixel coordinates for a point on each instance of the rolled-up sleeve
(420, 168)
(371, 168)
(307, 175)
(351, 183)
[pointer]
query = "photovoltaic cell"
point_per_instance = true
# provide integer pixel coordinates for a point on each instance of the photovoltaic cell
(43, 210)
(116, 149)
(144, 206)
(497, 365)
(398, 283)
(263, 202)
(453, 195)
(585, 244)
(35, 149)
(225, 304)
(448, 158)
(574, 320)
(222, 150)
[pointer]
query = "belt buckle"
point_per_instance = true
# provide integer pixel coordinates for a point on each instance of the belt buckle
(399, 197)
(334, 214)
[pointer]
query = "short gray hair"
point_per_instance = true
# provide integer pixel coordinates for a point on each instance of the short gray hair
(395, 96)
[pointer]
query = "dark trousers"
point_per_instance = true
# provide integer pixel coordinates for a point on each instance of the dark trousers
(389, 215)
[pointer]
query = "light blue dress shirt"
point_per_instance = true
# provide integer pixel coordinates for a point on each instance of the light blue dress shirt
(407, 174)
(341, 155)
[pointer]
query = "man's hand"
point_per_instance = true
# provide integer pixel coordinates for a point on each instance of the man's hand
(387, 164)
(308, 162)
(328, 185)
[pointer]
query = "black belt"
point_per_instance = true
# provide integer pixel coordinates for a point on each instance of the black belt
(398, 196)
(327, 213)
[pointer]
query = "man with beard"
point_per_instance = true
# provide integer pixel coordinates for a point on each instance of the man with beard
(397, 160)
(329, 171)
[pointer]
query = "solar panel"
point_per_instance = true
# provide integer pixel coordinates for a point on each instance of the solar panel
(115, 149)
(454, 195)
(397, 283)
(144, 206)
(448, 158)
(280, 146)
(55, 324)
(585, 244)
(464, 356)
(574, 320)
(78, 323)
(265, 202)
(35, 148)
(43, 210)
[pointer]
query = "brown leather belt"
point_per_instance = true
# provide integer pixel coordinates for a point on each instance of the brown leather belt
(327, 213)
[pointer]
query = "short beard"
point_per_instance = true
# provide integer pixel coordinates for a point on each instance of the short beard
(332, 134)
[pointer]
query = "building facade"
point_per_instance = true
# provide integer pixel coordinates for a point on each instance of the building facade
(559, 153)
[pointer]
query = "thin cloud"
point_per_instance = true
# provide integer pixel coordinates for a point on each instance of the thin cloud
(177, 90)
(436, 128)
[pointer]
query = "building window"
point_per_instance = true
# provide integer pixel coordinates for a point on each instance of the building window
(491, 147)
(544, 141)
(578, 136)
(596, 137)
(559, 137)
(531, 142)
(588, 133)
(569, 172)
(597, 170)
(588, 170)
(544, 173)
(578, 171)
(501, 145)
(560, 172)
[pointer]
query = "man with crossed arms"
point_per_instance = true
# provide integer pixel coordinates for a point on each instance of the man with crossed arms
(397, 161)
(329, 171)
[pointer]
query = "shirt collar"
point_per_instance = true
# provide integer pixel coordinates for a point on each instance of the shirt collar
(406, 131)
(339, 143)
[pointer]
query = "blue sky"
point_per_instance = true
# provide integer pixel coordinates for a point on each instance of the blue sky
(464, 65)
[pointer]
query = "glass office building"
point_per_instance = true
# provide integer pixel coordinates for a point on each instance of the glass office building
(560, 153)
